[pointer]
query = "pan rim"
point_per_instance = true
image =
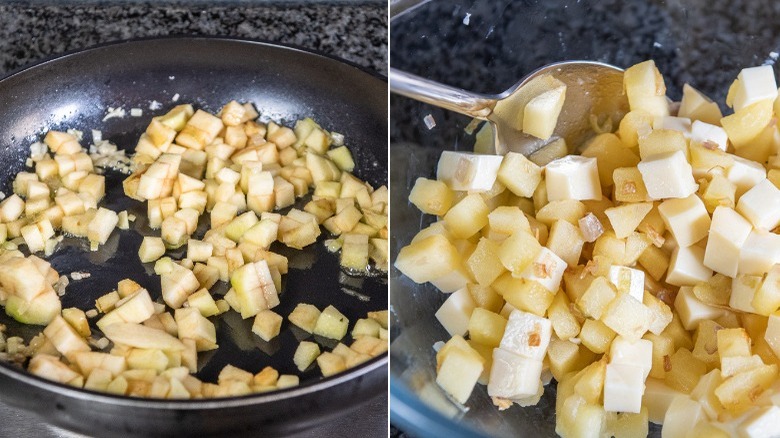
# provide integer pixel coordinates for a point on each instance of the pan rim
(310, 387)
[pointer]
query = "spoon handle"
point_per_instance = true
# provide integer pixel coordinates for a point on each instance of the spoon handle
(443, 96)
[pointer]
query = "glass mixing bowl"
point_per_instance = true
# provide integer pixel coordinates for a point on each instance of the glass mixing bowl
(486, 46)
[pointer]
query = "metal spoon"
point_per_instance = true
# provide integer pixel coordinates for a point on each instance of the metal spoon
(594, 91)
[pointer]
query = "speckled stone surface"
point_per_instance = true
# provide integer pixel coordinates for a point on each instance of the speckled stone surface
(355, 31)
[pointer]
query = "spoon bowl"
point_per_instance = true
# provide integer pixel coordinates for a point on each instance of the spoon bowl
(594, 99)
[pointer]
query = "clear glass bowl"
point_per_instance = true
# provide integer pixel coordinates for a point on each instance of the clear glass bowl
(486, 46)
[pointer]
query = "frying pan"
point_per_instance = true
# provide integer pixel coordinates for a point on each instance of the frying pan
(285, 84)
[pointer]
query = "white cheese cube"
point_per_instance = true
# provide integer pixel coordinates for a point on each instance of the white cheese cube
(692, 310)
(760, 252)
(705, 132)
(755, 84)
(728, 232)
(636, 354)
(761, 205)
(681, 416)
(745, 174)
(762, 424)
(681, 124)
(527, 335)
(623, 388)
(772, 334)
(546, 270)
(657, 399)
(513, 376)
(464, 171)
(668, 175)
(686, 267)
(629, 281)
(459, 372)
(454, 280)
(687, 218)
(573, 177)
(704, 392)
(455, 312)
(743, 289)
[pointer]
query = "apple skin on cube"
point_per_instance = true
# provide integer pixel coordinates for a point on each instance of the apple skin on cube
(40, 311)
(254, 288)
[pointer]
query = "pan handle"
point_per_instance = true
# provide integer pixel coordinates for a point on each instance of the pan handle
(443, 96)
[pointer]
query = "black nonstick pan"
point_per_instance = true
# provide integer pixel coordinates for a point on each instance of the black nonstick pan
(285, 84)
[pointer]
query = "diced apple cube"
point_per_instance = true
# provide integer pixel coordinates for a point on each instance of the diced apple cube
(192, 325)
(697, 106)
(627, 316)
(540, 115)
(306, 353)
(455, 312)
(459, 371)
(431, 196)
(519, 175)
(628, 280)
(331, 324)
(625, 218)
(305, 317)
(645, 89)
(267, 324)
(151, 249)
(330, 364)
(428, 259)
(681, 415)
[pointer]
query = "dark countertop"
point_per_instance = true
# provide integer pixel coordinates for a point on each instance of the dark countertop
(355, 31)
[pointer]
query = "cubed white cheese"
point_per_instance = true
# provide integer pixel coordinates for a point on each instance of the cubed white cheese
(755, 84)
(573, 177)
(527, 335)
(762, 424)
(464, 171)
(705, 132)
(686, 267)
(513, 376)
(681, 124)
(760, 252)
(692, 310)
(686, 218)
(681, 416)
(761, 205)
(455, 312)
(668, 175)
(743, 289)
(546, 270)
(658, 396)
(728, 232)
(745, 174)
(623, 388)
(628, 280)
(637, 354)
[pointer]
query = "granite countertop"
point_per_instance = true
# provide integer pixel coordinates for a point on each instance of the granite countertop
(352, 30)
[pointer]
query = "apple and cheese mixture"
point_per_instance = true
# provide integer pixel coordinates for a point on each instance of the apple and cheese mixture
(642, 274)
(241, 174)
